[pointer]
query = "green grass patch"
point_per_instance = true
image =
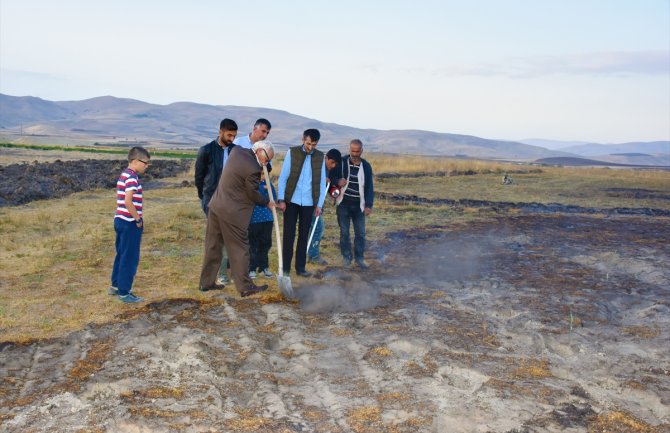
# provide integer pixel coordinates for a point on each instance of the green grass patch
(154, 153)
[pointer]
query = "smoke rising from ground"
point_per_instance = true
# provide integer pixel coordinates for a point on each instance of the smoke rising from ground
(339, 292)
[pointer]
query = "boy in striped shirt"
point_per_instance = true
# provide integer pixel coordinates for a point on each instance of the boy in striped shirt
(128, 225)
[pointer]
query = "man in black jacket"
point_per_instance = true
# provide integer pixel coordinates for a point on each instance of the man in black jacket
(211, 159)
(209, 164)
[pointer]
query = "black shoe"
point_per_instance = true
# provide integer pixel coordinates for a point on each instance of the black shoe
(253, 289)
(304, 274)
(361, 264)
(214, 287)
(317, 261)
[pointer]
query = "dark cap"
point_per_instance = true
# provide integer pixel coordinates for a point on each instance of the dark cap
(334, 154)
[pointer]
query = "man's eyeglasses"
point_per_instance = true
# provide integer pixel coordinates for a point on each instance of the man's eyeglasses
(266, 154)
(144, 162)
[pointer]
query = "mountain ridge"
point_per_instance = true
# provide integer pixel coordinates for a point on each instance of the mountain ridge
(183, 124)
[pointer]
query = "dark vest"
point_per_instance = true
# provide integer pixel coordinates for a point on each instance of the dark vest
(298, 157)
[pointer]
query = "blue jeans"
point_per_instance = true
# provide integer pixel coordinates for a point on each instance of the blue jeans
(128, 239)
(313, 250)
(346, 214)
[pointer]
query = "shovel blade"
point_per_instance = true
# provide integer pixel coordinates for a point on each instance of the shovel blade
(285, 286)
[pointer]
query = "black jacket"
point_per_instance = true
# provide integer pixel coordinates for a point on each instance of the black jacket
(208, 168)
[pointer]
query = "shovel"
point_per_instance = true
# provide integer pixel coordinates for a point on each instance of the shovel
(311, 235)
(284, 282)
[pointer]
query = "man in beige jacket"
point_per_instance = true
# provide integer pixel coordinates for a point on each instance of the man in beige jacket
(228, 219)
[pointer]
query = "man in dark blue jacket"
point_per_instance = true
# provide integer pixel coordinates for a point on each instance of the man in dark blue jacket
(354, 177)
(211, 159)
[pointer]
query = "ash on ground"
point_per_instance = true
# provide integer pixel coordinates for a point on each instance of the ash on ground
(542, 323)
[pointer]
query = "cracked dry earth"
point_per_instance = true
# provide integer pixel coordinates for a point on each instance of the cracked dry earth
(549, 323)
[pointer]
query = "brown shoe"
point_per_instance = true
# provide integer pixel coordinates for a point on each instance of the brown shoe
(253, 289)
(214, 287)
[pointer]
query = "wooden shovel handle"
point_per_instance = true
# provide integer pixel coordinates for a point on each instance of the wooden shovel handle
(275, 221)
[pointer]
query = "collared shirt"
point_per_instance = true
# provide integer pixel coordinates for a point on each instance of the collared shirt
(226, 152)
(244, 141)
(303, 190)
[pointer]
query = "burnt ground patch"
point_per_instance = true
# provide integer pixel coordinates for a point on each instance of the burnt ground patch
(525, 323)
(638, 193)
(441, 173)
(524, 207)
(23, 183)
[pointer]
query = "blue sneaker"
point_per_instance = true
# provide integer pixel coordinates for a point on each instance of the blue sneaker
(115, 291)
(130, 298)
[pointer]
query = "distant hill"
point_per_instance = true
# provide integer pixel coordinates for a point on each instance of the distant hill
(119, 121)
(595, 149)
(658, 159)
(615, 161)
(551, 144)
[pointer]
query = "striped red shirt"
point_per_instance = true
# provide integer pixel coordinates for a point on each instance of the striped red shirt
(128, 183)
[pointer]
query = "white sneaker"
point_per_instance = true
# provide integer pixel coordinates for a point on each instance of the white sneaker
(268, 273)
(252, 274)
(223, 279)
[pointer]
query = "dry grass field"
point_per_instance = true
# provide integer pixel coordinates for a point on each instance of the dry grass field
(56, 254)
(485, 319)
(586, 187)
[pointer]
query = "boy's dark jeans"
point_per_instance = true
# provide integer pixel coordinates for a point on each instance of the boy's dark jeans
(346, 214)
(260, 242)
(128, 239)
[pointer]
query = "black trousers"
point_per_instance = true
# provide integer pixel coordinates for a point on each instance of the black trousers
(260, 242)
(303, 216)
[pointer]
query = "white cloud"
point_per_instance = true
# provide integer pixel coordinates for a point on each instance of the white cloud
(602, 63)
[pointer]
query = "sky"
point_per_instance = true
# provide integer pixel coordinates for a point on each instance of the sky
(570, 70)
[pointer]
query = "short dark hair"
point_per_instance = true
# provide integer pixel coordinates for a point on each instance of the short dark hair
(262, 121)
(313, 134)
(138, 152)
(228, 125)
(356, 141)
(334, 154)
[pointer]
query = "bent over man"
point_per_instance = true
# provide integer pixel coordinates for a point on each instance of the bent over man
(229, 214)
